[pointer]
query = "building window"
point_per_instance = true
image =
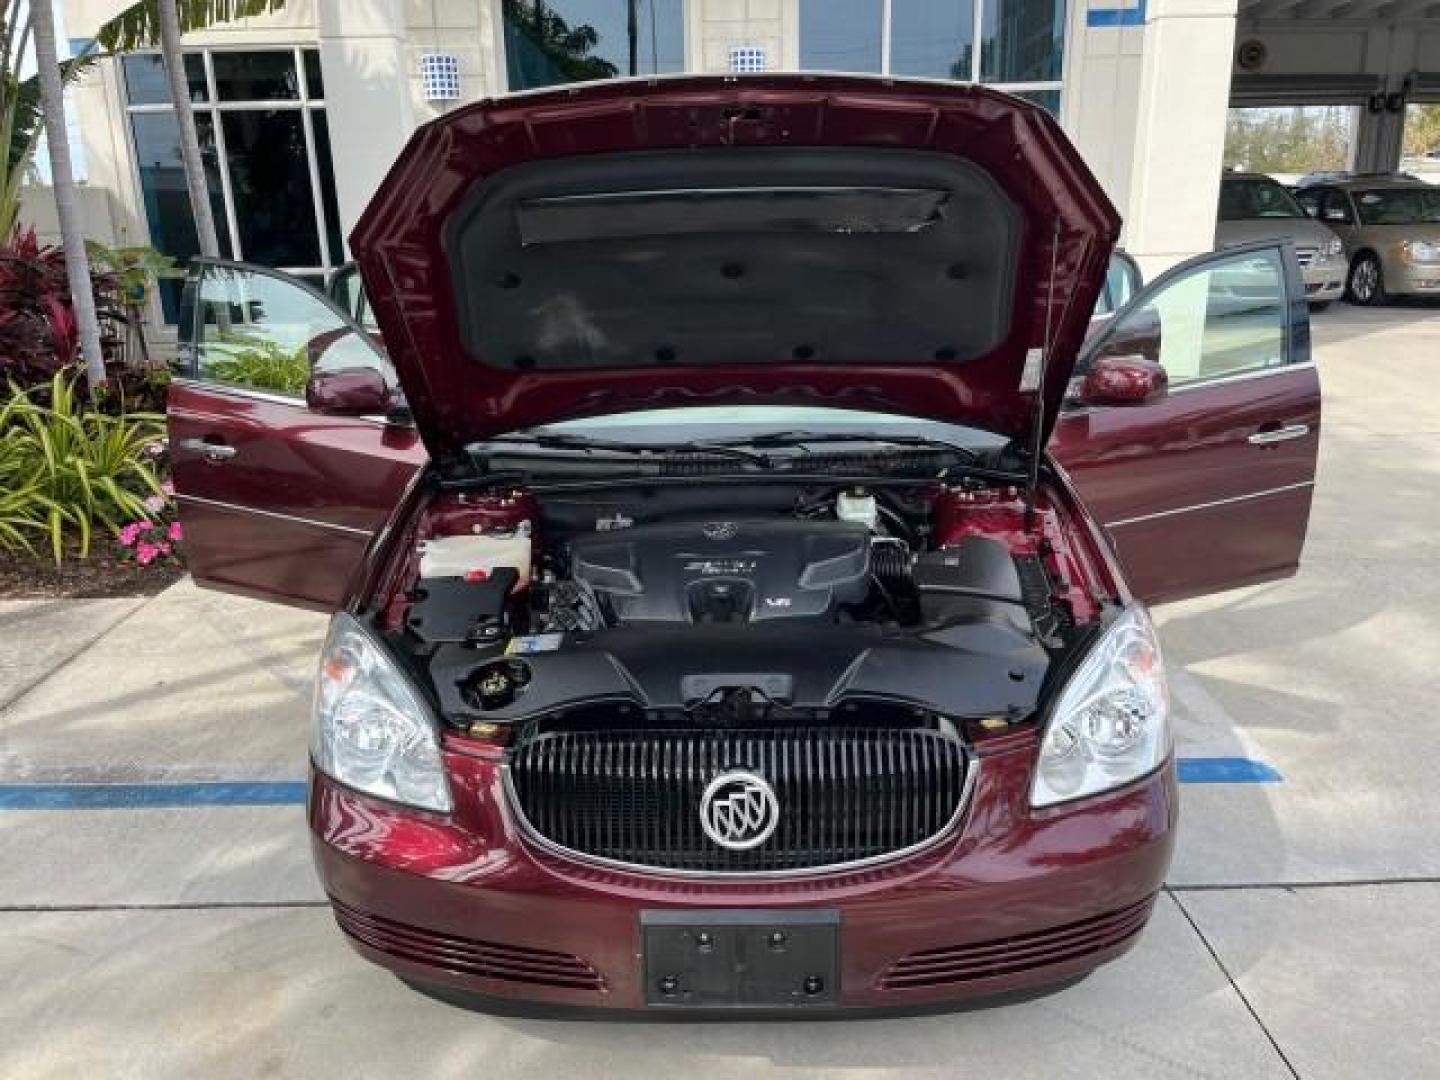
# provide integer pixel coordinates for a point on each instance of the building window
(548, 42)
(264, 138)
(1021, 42)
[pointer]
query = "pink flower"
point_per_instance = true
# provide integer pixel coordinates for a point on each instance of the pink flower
(162, 549)
(146, 553)
(145, 525)
(168, 487)
(128, 535)
(175, 533)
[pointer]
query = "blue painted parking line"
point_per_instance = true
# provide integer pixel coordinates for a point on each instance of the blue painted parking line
(1225, 770)
(162, 796)
(151, 796)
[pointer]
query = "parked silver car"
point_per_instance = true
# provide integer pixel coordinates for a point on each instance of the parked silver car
(1256, 207)
(1390, 226)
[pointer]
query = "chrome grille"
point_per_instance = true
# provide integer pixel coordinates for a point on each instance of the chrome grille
(1306, 255)
(845, 795)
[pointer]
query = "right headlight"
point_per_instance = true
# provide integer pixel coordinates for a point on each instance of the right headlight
(1111, 723)
(372, 731)
(1421, 251)
(1332, 247)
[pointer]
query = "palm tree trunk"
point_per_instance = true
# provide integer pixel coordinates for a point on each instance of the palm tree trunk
(77, 259)
(195, 181)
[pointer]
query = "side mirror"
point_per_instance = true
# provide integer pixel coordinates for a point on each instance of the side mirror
(359, 391)
(1123, 380)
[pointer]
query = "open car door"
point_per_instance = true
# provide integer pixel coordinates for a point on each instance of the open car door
(278, 500)
(1208, 487)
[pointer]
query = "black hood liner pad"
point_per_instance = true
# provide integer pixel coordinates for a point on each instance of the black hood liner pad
(748, 256)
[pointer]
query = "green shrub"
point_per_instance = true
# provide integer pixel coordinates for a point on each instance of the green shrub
(64, 469)
(263, 365)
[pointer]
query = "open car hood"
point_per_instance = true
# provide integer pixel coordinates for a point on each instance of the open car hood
(808, 240)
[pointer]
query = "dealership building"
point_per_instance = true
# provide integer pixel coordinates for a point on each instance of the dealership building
(300, 113)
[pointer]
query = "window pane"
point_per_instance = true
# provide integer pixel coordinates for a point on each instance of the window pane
(1223, 319)
(314, 76)
(269, 333)
(326, 164)
(255, 76)
(1023, 40)
(560, 41)
(840, 35)
(167, 200)
(1046, 99)
(932, 38)
(146, 82)
(270, 178)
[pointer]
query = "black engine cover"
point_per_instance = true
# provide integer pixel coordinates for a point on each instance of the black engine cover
(725, 571)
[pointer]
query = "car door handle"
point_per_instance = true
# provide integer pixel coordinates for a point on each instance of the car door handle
(1271, 436)
(212, 451)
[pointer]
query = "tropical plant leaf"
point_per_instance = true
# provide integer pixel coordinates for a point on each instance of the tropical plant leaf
(66, 471)
(138, 26)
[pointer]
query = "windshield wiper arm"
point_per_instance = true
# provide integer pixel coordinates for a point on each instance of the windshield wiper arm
(586, 443)
(800, 438)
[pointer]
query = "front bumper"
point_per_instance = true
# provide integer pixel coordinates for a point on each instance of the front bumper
(1012, 899)
(1404, 278)
(1325, 279)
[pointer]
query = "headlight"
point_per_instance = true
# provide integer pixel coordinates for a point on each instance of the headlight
(1332, 247)
(1421, 251)
(372, 731)
(1111, 723)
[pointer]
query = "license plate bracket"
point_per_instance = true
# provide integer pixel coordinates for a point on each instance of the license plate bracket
(753, 959)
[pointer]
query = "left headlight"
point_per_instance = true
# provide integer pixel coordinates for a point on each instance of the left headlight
(372, 731)
(1332, 247)
(1111, 723)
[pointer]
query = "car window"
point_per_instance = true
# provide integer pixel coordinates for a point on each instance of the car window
(1225, 317)
(1335, 208)
(266, 331)
(1247, 198)
(1309, 202)
(348, 292)
(1399, 206)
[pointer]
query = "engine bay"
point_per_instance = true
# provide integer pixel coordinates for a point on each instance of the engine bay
(721, 604)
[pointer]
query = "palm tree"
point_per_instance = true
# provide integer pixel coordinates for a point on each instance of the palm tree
(77, 259)
(143, 24)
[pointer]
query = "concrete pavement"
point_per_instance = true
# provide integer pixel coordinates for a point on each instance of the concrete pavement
(1298, 938)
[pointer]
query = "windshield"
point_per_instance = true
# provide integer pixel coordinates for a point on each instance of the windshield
(661, 426)
(1245, 198)
(1399, 206)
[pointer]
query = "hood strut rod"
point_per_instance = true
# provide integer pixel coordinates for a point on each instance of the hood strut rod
(1037, 419)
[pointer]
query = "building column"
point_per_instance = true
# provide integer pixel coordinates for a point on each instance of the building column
(1179, 140)
(365, 58)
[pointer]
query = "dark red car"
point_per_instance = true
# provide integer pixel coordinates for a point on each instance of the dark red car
(739, 546)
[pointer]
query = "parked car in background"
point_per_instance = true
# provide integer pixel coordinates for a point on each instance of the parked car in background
(747, 610)
(1390, 226)
(1256, 207)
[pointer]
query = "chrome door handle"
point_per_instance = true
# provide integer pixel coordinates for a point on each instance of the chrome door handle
(209, 450)
(1278, 435)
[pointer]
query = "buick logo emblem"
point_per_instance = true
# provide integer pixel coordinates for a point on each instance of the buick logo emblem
(739, 811)
(720, 530)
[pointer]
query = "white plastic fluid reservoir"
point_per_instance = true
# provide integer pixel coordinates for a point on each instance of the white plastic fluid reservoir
(461, 556)
(857, 506)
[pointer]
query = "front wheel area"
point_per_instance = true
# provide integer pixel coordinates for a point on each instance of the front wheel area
(1367, 284)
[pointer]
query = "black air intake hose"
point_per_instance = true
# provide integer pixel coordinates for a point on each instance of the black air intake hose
(891, 567)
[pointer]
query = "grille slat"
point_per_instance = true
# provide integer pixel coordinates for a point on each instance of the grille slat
(846, 794)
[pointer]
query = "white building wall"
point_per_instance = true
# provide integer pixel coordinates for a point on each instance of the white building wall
(714, 27)
(1178, 147)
